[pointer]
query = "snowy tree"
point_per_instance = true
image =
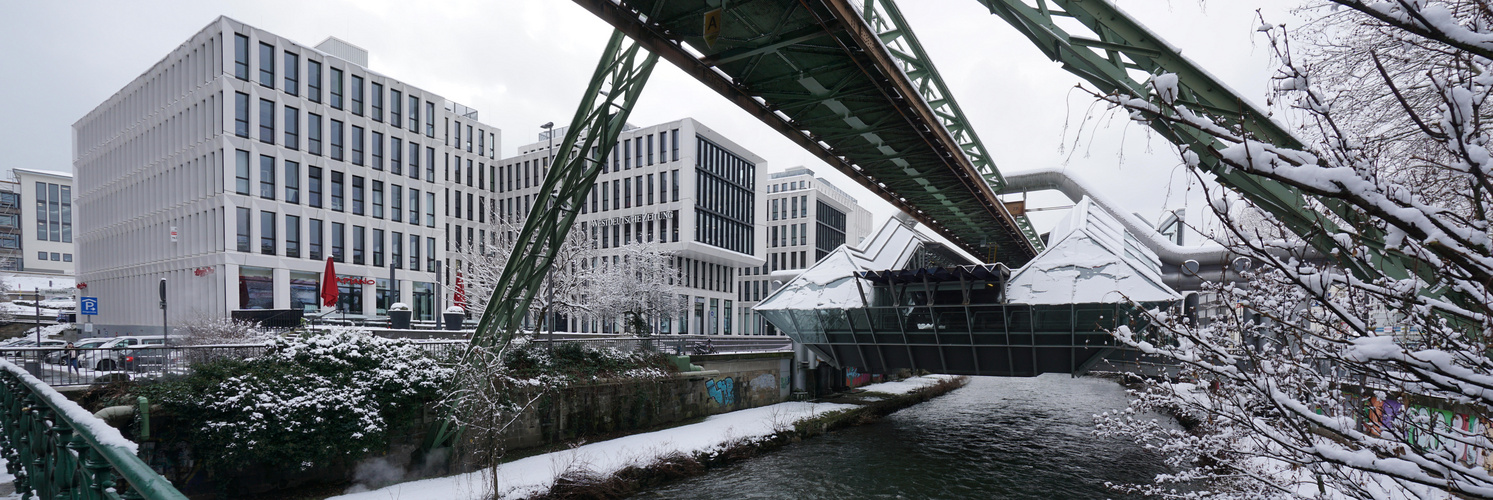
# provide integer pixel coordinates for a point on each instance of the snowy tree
(1326, 383)
(637, 284)
(564, 292)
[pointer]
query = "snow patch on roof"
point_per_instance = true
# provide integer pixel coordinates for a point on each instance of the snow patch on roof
(833, 282)
(1090, 258)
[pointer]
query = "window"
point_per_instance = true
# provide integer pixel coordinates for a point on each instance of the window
(313, 80)
(429, 119)
(336, 191)
(357, 96)
(627, 193)
(429, 209)
(650, 149)
(313, 239)
(267, 121)
(10, 241)
(481, 143)
(292, 236)
(639, 182)
(414, 161)
(292, 182)
(337, 235)
(674, 145)
(396, 203)
(313, 187)
(358, 245)
(674, 185)
(336, 84)
(396, 156)
(394, 101)
(415, 253)
(292, 119)
(11, 221)
(267, 233)
(240, 173)
(469, 138)
(429, 164)
(240, 56)
(241, 114)
(266, 65)
(267, 177)
(377, 150)
(378, 248)
(396, 242)
(414, 207)
(357, 145)
(414, 114)
(376, 101)
(336, 133)
(292, 76)
(313, 133)
(378, 199)
(243, 229)
(458, 133)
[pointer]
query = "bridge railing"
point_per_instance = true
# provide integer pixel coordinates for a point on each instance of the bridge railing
(59, 450)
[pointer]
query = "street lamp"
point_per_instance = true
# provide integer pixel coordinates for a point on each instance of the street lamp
(549, 133)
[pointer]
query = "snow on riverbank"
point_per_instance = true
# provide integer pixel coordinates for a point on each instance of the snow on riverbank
(535, 475)
(907, 385)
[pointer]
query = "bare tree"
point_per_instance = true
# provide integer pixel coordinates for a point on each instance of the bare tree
(637, 284)
(482, 264)
(1290, 395)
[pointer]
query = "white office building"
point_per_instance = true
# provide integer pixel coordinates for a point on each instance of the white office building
(806, 219)
(242, 160)
(47, 206)
(680, 185)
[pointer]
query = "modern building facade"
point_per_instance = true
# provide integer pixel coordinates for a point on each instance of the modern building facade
(46, 200)
(240, 162)
(679, 185)
(807, 217)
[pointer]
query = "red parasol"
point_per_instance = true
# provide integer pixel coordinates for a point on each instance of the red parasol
(329, 291)
(460, 297)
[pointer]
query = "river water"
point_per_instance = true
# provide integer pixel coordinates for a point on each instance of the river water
(995, 438)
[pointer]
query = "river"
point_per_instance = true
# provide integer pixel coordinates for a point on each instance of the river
(995, 438)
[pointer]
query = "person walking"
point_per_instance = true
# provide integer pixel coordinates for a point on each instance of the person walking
(71, 353)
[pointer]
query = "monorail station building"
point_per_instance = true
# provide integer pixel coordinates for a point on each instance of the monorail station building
(240, 162)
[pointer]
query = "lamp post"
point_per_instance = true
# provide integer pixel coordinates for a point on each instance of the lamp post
(549, 128)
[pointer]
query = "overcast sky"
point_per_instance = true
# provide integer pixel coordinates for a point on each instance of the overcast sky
(526, 62)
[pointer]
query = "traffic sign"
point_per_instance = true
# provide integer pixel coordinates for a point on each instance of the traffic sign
(89, 306)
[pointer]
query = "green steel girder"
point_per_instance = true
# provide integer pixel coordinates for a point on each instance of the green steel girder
(1118, 55)
(614, 88)
(897, 36)
(816, 72)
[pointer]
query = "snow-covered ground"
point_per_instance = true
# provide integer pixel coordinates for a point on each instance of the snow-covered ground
(907, 385)
(535, 475)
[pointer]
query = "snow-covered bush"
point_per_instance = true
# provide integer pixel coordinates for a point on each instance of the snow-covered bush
(218, 330)
(324, 399)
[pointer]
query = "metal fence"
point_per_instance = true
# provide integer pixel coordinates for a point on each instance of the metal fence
(99, 366)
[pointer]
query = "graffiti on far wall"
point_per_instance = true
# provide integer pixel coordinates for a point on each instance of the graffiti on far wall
(722, 390)
(1428, 429)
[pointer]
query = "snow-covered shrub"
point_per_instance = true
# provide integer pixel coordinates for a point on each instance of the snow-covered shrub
(320, 400)
(217, 330)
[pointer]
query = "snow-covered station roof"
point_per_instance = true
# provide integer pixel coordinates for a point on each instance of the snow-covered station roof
(1090, 258)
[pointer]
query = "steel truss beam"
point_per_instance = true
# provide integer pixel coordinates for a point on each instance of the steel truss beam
(604, 109)
(768, 48)
(897, 35)
(1118, 55)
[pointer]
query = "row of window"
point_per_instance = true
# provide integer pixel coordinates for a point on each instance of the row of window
(753, 291)
(792, 207)
(724, 198)
(54, 256)
(628, 153)
(789, 235)
(829, 231)
(788, 260)
(353, 144)
(628, 192)
(332, 189)
(787, 186)
(356, 94)
(54, 212)
(335, 242)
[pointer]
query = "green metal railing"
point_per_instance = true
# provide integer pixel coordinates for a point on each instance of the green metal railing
(54, 454)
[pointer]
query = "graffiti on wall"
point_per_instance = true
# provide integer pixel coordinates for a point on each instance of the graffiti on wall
(1428, 429)
(854, 377)
(722, 390)
(763, 383)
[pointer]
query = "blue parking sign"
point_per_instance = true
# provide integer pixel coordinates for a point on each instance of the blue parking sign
(89, 306)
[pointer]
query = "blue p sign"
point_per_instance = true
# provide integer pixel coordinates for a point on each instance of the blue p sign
(89, 306)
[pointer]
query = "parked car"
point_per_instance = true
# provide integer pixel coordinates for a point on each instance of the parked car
(14, 349)
(144, 359)
(107, 356)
